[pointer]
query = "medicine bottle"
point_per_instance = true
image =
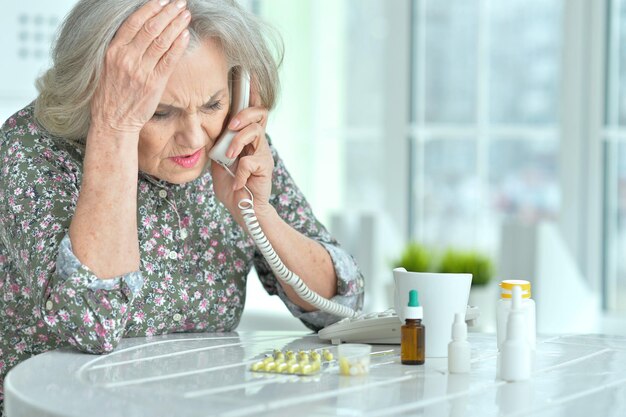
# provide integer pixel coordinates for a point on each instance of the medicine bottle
(459, 352)
(413, 333)
(527, 309)
(516, 356)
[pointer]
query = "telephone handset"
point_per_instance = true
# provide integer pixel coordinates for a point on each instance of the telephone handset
(240, 99)
(240, 90)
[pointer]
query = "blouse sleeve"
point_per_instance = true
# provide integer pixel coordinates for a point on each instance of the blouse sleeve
(293, 207)
(38, 193)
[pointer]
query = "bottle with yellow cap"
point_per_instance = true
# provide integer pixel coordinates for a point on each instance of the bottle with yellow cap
(527, 309)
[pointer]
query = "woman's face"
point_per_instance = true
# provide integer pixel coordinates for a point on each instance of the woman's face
(174, 144)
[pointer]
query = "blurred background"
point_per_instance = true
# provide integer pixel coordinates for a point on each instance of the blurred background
(490, 129)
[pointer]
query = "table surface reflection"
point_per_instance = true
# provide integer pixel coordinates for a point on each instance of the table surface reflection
(207, 374)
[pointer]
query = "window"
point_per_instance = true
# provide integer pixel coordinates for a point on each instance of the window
(485, 132)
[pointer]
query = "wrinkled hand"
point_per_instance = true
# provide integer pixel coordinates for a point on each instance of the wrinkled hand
(254, 165)
(138, 63)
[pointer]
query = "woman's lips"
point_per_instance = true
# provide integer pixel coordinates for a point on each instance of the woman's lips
(188, 161)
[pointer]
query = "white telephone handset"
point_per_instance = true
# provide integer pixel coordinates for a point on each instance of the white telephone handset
(240, 90)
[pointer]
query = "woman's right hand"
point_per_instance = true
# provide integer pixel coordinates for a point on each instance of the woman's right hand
(138, 63)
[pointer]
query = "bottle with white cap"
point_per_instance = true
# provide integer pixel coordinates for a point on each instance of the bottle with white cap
(515, 361)
(504, 307)
(459, 348)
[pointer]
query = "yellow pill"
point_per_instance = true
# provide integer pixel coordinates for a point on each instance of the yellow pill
(282, 368)
(279, 356)
(307, 369)
(315, 356)
(294, 369)
(316, 365)
(291, 361)
(327, 355)
(344, 366)
(268, 359)
(257, 366)
(270, 366)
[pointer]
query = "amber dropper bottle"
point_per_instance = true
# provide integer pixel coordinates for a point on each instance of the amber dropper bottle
(413, 333)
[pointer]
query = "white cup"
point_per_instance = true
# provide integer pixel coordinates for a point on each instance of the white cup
(440, 295)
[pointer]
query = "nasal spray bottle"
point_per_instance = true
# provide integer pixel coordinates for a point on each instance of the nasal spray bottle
(459, 348)
(504, 307)
(515, 351)
(413, 333)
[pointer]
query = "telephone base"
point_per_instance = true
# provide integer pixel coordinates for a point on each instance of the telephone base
(382, 328)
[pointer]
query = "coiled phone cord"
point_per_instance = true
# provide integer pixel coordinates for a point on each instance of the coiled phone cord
(246, 207)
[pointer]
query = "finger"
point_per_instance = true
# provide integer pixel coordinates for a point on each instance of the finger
(168, 61)
(248, 116)
(133, 24)
(154, 26)
(162, 43)
(251, 135)
(247, 167)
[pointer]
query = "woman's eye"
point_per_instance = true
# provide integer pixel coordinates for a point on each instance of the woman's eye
(215, 106)
(160, 115)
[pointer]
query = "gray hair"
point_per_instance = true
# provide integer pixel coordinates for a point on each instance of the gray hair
(66, 89)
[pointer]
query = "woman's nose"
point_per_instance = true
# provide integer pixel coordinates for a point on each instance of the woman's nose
(191, 133)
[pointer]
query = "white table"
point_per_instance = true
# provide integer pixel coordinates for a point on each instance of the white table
(207, 374)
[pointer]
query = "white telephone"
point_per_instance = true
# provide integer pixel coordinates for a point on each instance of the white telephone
(240, 90)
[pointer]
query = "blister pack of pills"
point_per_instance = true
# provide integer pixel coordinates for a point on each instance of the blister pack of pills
(294, 363)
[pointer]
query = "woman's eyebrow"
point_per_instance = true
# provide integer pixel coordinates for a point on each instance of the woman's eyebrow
(211, 98)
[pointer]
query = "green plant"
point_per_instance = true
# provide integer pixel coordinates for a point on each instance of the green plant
(414, 258)
(480, 266)
(417, 258)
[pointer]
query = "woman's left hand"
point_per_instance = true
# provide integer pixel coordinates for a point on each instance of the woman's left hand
(254, 165)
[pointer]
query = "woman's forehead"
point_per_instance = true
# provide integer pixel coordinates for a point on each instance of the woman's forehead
(200, 74)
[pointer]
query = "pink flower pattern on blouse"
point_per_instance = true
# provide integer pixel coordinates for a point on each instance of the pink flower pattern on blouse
(191, 281)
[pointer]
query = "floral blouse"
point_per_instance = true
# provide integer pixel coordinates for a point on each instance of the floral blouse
(195, 258)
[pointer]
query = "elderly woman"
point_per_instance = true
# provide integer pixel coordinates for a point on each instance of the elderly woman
(113, 221)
